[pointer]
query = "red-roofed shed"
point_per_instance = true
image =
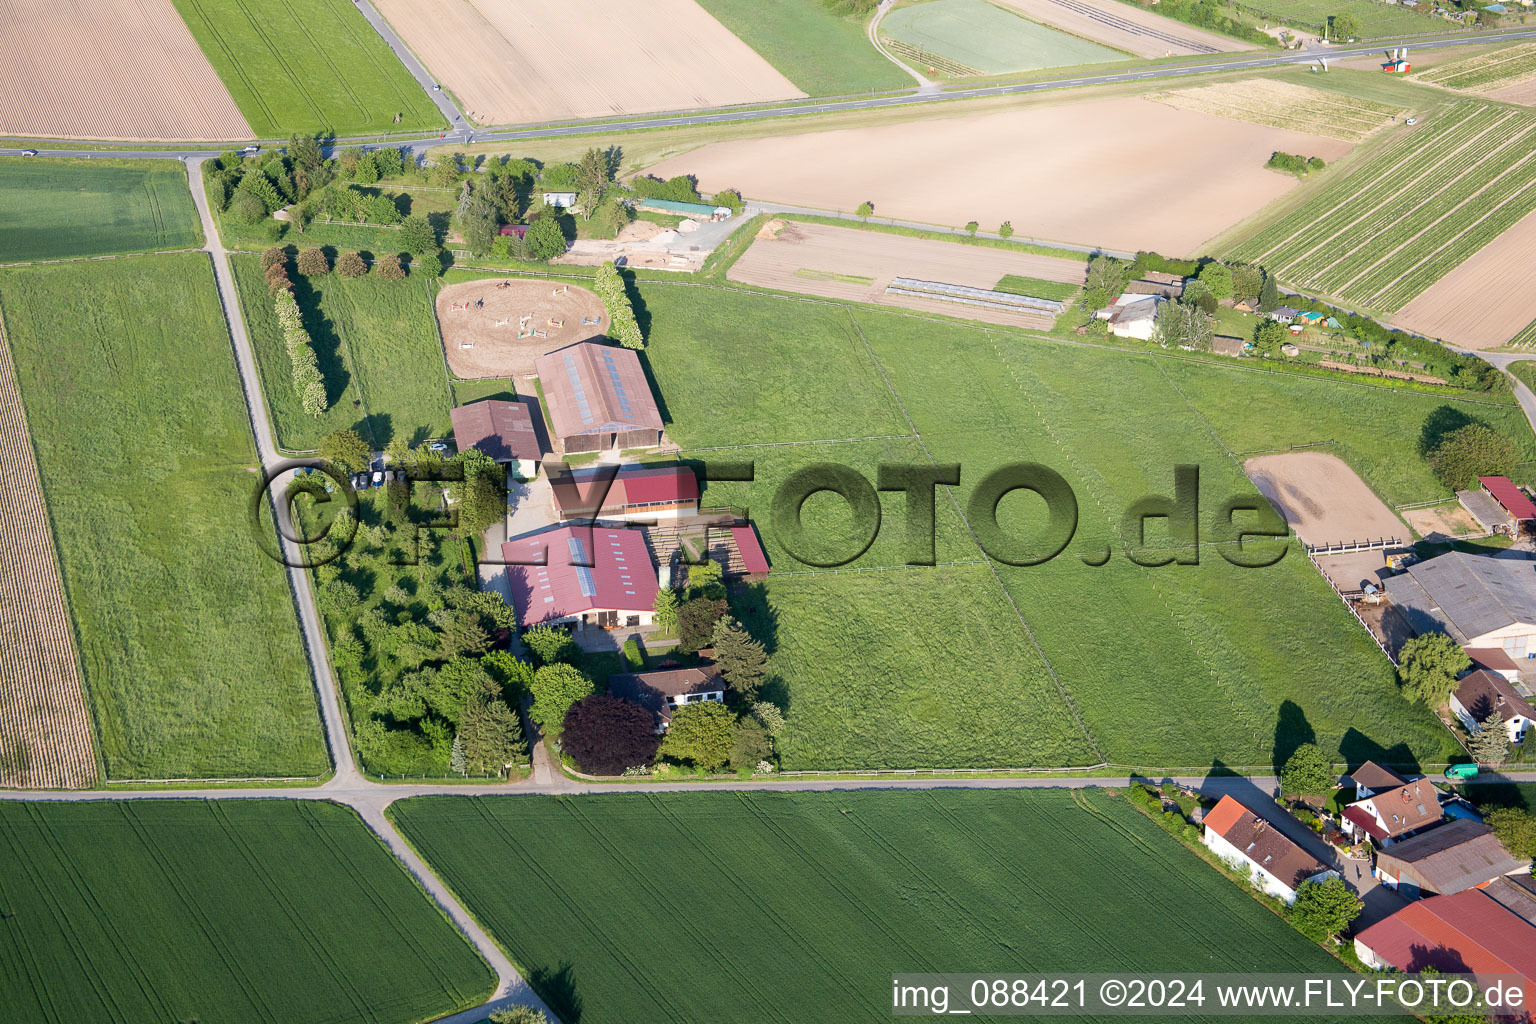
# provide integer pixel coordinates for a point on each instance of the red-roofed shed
(1508, 495)
(754, 561)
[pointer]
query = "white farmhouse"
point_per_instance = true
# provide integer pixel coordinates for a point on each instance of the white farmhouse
(1246, 841)
(1481, 693)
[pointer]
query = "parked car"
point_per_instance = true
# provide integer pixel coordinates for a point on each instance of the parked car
(378, 478)
(360, 482)
(438, 446)
(248, 150)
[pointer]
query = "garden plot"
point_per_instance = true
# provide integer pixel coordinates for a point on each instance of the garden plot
(1209, 173)
(485, 333)
(543, 60)
(1323, 500)
(1487, 72)
(1286, 105)
(858, 266)
(103, 69)
(1485, 301)
(973, 37)
(1125, 27)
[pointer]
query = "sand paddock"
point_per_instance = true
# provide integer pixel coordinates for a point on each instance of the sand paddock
(1126, 174)
(497, 351)
(1443, 522)
(1124, 27)
(857, 265)
(1322, 499)
(523, 61)
(109, 69)
(1485, 301)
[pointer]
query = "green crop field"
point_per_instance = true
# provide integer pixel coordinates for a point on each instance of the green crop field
(1208, 641)
(376, 342)
(1377, 20)
(54, 209)
(237, 911)
(1036, 288)
(1416, 209)
(316, 66)
(974, 37)
(822, 53)
(798, 907)
(187, 631)
(1485, 71)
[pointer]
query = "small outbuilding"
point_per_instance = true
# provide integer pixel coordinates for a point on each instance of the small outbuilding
(1490, 515)
(1460, 854)
(503, 431)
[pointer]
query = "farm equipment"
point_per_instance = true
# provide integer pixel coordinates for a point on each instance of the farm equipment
(1461, 772)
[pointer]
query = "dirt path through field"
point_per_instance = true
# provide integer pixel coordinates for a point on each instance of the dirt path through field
(1323, 499)
(46, 739)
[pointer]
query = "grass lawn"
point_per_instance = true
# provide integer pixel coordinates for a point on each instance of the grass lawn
(466, 391)
(313, 67)
(989, 40)
(797, 907)
(1377, 20)
(822, 53)
(187, 631)
(238, 911)
(52, 209)
(377, 345)
(1524, 371)
(1036, 288)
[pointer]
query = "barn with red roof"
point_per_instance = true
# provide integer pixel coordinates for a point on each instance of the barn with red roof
(582, 576)
(1464, 933)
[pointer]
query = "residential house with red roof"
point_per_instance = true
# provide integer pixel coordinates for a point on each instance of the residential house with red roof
(582, 576)
(1463, 933)
(1248, 842)
(1388, 815)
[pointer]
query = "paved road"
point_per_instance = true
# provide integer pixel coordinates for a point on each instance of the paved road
(445, 105)
(873, 31)
(1502, 360)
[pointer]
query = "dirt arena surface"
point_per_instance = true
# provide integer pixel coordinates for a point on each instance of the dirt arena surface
(108, 69)
(497, 351)
(1443, 522)
(1195, 174)
(522, 61)
(823, 254)
(1485, 301)
(1323, 499)
(1353, 570)
(1124, 27)
(46, 739)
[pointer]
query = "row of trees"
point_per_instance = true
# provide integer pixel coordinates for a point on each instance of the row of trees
(308, 384)
(622, 324)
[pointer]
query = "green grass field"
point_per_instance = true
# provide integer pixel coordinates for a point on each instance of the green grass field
(798, 907)
(981, 38)
(187, 631)
(316, 66)
(241, 911)
(376, 342)
(54, 209)
(1208, 641)
(1036, 288)
(1417, 208)
(1492, 69)
(1377, 20)
(822, 53)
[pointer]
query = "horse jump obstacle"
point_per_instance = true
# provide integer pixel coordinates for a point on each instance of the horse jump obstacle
(561, 290)
(587, 322)
(555, 323)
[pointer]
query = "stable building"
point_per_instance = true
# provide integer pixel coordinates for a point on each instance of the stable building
(1510, 498)
(625, 492)
(503, 431)
(1459, 855)
(1462, 933)
(1481, 601)
(1481, 693)
(582, 577)
(1248, 842)
(665, 690)
(597, 398)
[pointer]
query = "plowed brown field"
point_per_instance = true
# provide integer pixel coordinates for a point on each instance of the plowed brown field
(108, 69)
(1485, 301)
(45, 729)
(520, 61)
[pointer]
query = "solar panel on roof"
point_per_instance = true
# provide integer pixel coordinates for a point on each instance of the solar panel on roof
(583, 573)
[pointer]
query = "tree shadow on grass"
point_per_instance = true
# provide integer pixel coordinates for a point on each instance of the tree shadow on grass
(558, 989)
(324, 339)
(1291, 731)
(1441, 422)
(1358, 748)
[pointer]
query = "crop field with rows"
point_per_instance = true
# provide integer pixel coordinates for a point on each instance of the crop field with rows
(1419, 207)
(1285, 105)
(241, 912)
(1486, 71)
(55, 209)
(817, 897)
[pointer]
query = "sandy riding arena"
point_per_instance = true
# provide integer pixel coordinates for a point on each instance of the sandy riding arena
(848, 263)
(522, 61)
(1124, 27)
(481, 322)
(1485, 301)
(45, 729)
(1142, 175)
(108, 69)
(1323, 500)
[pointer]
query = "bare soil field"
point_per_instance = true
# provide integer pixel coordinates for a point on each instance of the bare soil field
(1524, 93)
(1443, 522)
(857, 265)
(482, 340)
(521, 61)
(45, 730)
(1485, 301)
(109, 69)
(1124, 27)
(1322, 499)
(1278, 104)
(1208, 172)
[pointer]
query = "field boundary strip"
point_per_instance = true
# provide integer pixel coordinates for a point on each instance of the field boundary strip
(47, 737)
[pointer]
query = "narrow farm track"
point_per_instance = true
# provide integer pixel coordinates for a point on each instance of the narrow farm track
(46, 738)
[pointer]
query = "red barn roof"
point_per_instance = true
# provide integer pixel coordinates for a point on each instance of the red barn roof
(753, 559)
(576, 490)
(502, 430)
(587, 569)
(1465, 931)
(1507, 494)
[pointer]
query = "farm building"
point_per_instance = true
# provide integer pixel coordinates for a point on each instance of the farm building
(632, 492)
(582, 576)
(666, 690)
(1496, 661)
(518, 231)
(503, 431)
(1515, 893)
(1225, 345)
(1458, 855)
(1464, 932)
(693, 211)
(1246, 841)
(560, 200)
(1481, 693)
(1489, 514)
(1481, 601)
(597, 398)
(753, 564)
(1510, 498)
(1390, 815)
(1132, 315)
